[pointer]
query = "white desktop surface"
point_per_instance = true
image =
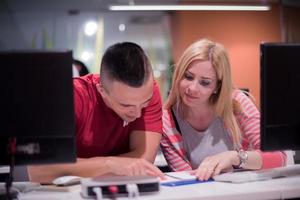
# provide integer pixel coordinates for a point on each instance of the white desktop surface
(280, 188)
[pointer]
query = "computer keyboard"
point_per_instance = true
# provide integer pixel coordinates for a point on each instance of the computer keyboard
(258, 175)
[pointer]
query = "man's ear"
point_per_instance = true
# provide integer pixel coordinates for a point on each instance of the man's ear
(100, 89)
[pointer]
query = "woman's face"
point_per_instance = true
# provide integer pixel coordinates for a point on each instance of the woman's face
(198, 84)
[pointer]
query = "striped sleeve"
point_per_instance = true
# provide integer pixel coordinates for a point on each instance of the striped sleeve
(249, 121)
(171, 145)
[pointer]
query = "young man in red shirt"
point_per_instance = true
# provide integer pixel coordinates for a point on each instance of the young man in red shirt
(118, 119)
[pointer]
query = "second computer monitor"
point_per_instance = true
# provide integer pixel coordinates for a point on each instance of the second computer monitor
(280, 96)
(36, 105)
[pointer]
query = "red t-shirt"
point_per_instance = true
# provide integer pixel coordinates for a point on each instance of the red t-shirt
(99, 130)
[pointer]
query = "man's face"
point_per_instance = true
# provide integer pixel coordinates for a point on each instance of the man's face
(125, 100)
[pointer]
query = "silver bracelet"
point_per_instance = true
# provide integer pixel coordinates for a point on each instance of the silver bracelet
(243, 157)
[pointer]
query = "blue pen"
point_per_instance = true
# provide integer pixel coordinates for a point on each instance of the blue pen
(184, 182)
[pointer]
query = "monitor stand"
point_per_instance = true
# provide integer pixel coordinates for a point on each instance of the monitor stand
(8, 192)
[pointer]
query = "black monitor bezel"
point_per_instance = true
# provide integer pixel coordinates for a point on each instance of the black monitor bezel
(276, 136)
(54, 148)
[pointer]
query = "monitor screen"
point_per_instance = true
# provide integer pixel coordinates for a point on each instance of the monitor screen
(280, 96)
(36, 107)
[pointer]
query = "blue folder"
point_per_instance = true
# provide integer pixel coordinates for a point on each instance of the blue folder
(184, 182)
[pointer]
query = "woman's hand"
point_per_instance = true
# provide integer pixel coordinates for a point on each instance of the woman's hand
(214, 165)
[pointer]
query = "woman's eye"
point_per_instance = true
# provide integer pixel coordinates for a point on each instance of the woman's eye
(205, 83)
(188, 77)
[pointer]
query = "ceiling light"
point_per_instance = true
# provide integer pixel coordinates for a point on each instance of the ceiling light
(90, 28)
(85, 56)
(188, 7)
(122, 27)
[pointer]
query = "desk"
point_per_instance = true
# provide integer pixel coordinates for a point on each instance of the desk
(281, 188)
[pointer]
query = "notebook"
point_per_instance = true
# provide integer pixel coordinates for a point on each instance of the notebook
(182, 178)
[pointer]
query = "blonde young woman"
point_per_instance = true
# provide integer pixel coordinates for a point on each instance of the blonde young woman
(209, 126)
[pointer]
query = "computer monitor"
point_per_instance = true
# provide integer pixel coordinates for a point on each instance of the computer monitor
(280, 96)
(36, 107)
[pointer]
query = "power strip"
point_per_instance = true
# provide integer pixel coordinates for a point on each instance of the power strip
(145, 185)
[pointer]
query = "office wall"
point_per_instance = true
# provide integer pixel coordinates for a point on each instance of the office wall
(23, 27)
(240, 32)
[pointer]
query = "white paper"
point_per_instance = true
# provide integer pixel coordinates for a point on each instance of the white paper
(184, 175)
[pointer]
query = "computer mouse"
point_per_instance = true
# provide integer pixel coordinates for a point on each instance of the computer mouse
(66, 180)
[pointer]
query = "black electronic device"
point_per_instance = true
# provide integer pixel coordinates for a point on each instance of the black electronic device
(141, 185)
(280, 96)
(36, 106)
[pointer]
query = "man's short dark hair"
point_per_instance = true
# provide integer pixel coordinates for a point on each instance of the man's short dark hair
(125, 62)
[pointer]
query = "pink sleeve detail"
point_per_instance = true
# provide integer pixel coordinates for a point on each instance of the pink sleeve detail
(249, 120)
(171, 145)
(174, 138)
(173, 158)
(273, 159)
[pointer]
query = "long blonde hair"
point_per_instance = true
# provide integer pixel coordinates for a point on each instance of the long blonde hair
(222, 101)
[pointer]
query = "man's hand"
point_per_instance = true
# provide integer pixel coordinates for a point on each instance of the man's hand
(132, 167)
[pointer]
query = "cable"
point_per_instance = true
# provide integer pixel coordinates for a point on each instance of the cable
(98, 192)
(133, 191)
